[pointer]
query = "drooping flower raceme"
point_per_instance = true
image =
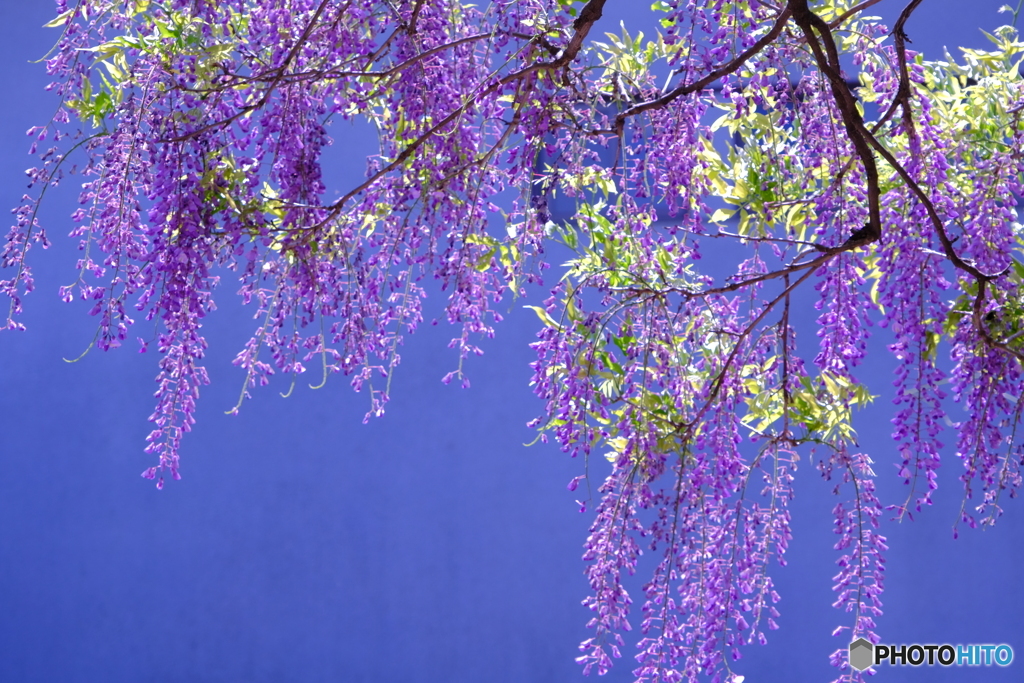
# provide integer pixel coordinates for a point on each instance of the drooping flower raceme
(719, 175)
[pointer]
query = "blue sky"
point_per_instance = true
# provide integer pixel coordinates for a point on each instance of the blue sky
(429, 545)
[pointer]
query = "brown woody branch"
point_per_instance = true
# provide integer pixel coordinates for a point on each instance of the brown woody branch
(714, 75)
(903, 92)
(814, 26)
(588, 15)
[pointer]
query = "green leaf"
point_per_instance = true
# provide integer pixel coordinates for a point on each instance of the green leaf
(722, 215)
(544, 317)
(61, 19)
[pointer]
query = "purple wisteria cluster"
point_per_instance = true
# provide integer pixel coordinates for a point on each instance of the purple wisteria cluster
(721, 174)
(209, 121)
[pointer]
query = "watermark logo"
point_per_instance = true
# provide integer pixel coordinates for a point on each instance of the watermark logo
(864, 654)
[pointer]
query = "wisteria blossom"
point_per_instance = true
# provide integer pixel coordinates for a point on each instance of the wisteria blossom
(750, 156)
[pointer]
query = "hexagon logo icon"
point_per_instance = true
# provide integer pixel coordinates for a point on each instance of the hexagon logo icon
(861, 654)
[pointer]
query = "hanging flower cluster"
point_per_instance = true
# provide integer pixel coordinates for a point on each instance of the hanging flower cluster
(720, 175)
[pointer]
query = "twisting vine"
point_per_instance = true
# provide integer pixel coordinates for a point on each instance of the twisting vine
(204, 126)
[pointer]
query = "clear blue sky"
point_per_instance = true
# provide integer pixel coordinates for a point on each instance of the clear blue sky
(429, 545)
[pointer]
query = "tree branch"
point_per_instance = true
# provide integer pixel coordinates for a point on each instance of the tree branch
(724, 70)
